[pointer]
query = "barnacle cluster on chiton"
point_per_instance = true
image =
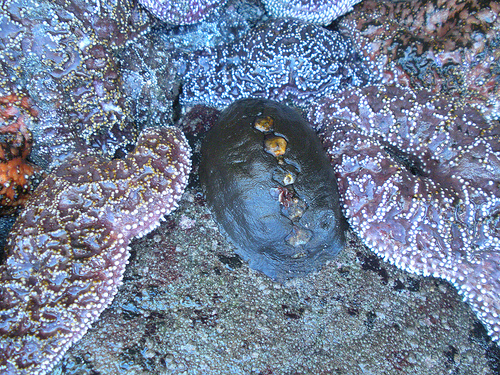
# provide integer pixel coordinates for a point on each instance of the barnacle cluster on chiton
(272, 188)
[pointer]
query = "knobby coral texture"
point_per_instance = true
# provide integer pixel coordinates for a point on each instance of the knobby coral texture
(68, 250)
(182, 12)
(322, 12)
(283, 60)
(185, 12)
(419, 175)
(61, 54)
(447, 46)
(152, 72)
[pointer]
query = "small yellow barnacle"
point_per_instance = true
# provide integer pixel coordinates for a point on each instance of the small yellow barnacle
(288, 179)
(264, 124)
(275, 146)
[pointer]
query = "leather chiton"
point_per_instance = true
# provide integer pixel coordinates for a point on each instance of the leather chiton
(272, 189)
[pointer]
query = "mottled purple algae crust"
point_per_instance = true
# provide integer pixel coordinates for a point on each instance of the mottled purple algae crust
(67, 252)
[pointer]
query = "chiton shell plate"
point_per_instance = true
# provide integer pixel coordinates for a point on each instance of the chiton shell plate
(272, 189)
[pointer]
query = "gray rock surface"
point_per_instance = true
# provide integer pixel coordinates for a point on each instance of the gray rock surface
(189, 305)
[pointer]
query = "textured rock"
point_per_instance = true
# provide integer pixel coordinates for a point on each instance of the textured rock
(62, 55)
(68, 249)
(189, 304)
(282, 60)
(322, 12)
(419, 178)
(445, 46)
(183, 12)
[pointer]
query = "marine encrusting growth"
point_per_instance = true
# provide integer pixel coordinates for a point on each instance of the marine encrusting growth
(449, 46)
(17, 175)
(272, 188)
(68, 57)
(282, 60)
(149, 66)
(61, 54)
(322, 12)
(67, 251)
(182, 12)
(419, 176)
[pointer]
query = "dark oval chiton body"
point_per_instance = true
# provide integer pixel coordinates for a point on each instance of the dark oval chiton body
(272, 188)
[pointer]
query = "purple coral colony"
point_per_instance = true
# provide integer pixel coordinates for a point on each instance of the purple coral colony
(405, 97)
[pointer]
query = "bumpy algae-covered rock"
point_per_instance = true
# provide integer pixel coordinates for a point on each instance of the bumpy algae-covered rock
(272, 188)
